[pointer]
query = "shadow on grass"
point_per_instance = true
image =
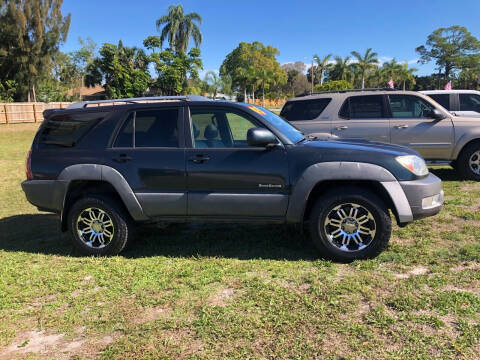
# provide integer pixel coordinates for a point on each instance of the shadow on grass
(446, 174)
(40, 233)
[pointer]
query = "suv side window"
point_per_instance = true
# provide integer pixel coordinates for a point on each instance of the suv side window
(363, 107)
(149, 128)
(442, 99)
(470, 102)
(304, 109)
(410, 106)
(219, 128)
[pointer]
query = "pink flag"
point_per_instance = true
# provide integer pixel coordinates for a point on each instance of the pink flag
(391, 84)
(448, 86)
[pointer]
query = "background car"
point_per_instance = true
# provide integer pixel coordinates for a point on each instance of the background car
(458, 102)
(400, 117)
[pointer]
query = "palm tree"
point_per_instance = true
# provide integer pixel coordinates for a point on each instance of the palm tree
(406, 74)
(342, 69)
(322, 64)
(214, 82)
(179, 27)
(391, 70)
(366, 62)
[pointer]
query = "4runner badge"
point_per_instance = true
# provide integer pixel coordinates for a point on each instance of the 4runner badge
(269, 186)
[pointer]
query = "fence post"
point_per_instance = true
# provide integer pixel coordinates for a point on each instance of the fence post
(7, 119)
(35, 112)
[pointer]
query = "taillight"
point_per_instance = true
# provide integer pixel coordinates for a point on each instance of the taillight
(28, 165)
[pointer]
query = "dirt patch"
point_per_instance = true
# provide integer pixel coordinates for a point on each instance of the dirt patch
(221, 298)
(418, 270)
(151, 314)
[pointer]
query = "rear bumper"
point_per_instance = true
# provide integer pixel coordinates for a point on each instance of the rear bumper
(46, 195)
(425, 196)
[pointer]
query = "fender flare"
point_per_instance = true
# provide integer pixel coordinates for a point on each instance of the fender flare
(464, 140)
(110, 175)
(346, 171)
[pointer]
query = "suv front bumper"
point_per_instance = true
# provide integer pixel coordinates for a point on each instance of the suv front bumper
(425, 196)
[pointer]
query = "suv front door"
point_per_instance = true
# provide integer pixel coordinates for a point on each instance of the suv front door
(228, 178)
(363, 117)
(412, 125)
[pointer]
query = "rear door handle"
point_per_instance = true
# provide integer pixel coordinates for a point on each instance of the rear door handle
(122, 158)
(343, 127)
(199, 159)
(402, 126)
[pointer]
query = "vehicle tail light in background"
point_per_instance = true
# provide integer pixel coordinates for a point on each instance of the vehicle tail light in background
(28, 165)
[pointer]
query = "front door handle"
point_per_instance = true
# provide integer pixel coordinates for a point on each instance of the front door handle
(199, 159)
(343, 127)
(402, 126)
(122, 158)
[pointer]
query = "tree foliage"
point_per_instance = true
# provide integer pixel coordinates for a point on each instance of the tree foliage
(450, 48)
(31, 32)
(334, 85)
(365, 62)
(123, 71)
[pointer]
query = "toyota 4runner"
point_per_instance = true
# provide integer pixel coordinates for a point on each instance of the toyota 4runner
(104, 166)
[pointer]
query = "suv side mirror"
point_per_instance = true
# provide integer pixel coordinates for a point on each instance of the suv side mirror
(437, 114)
(260, 137)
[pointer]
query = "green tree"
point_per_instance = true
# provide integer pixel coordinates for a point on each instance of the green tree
(214, 82)
(322, 65)
(405, 75)
(31, 32)
(334, 85)
(449, 48)
(366, 62)
(179, 27)
(123, 70)
(173, 69)
(7, 91)
(341, 70)
(152, 42)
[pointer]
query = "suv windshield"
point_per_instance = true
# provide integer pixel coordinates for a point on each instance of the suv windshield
(290, 131)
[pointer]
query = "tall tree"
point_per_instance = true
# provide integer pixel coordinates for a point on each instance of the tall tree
(405, 75)
(179, 27)
(449, 48)
(322, 65)
(341, 70)
(366, 62)
(214, 82)
(31, 32)
(123, 71)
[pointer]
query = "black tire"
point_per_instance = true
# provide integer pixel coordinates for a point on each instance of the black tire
(454, 164)
(463, 161)
(324, 206)
(123, 225)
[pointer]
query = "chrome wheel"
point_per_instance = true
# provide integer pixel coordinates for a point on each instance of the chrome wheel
(474, 162)
(350, 227)
(95, 227)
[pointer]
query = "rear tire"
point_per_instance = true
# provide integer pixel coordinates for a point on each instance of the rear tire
(349, 224)
(468, 162)
(99, 226)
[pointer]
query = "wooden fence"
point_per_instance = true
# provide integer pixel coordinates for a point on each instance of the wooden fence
(14, 113)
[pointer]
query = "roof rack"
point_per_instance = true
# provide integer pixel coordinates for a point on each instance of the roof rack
(139, 100)
(345, 91)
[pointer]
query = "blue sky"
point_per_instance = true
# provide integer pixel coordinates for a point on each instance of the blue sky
(298, 29)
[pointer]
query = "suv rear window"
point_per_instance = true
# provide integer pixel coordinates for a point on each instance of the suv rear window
(304, 109)
(67, 129)
(442, 99)
(363, 107)
(470, 102)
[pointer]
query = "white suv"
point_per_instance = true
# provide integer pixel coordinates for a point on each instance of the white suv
(458, 102)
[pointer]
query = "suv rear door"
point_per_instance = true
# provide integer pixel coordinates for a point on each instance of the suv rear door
(227, 177)
(412, 125)
(363, 117)
(149, 151)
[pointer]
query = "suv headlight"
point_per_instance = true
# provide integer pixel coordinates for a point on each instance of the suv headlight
(413, 163)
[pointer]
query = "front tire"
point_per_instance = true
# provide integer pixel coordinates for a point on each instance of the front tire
(468, 163)
(349, 224)
(99, 226)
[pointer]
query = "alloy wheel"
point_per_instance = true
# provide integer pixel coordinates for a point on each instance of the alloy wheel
(95, 227)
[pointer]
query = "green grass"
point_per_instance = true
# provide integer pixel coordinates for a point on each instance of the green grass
(235, 292)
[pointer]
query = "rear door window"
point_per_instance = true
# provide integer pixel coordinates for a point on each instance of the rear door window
(470, 102)
(304, 109)
(442, 99)
(363, 107)
(150, 128)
